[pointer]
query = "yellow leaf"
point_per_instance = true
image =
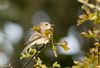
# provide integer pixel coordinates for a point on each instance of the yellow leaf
(39, 64)
(39, 61)
(83, 16)
(56, 65)
(97, 44)
(93, 16)
(88, 34)
(64, 45)
(48, 33)
(36, 28)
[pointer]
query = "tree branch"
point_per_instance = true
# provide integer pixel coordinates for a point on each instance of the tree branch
(32, 57)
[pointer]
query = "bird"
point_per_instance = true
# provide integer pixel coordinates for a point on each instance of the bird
(41, 35)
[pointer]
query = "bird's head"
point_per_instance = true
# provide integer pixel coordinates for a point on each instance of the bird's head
(45, 25)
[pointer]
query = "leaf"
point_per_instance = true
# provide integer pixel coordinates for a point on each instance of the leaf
(87, 10)
(82, 18)
(33, 51)
(56, 65)
(88, 34)
(97, 44)
(24, 55)
(48, 33)
(39, 64)
(30, 49)
(54, 50)
(36, 28)
(80, 21)
(28, 53)
(64, 45)
(93, 16)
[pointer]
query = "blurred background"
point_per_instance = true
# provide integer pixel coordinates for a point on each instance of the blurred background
(18, 16)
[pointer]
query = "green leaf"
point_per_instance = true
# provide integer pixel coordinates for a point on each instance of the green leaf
(56, 65)
(28, 53)
(54, 50)
(22, 56)
(39, 64)
(33, 51)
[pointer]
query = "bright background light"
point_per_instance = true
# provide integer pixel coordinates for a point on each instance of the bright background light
(74, 42)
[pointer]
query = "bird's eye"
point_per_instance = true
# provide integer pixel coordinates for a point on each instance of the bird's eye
(46, 24)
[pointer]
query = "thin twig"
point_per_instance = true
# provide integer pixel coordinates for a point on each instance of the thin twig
(9, 63)
(32, 57)
(99, 55)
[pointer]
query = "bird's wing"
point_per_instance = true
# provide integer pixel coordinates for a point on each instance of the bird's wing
(34, 37)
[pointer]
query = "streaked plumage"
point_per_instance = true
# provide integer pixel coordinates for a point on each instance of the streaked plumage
(38, 37)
